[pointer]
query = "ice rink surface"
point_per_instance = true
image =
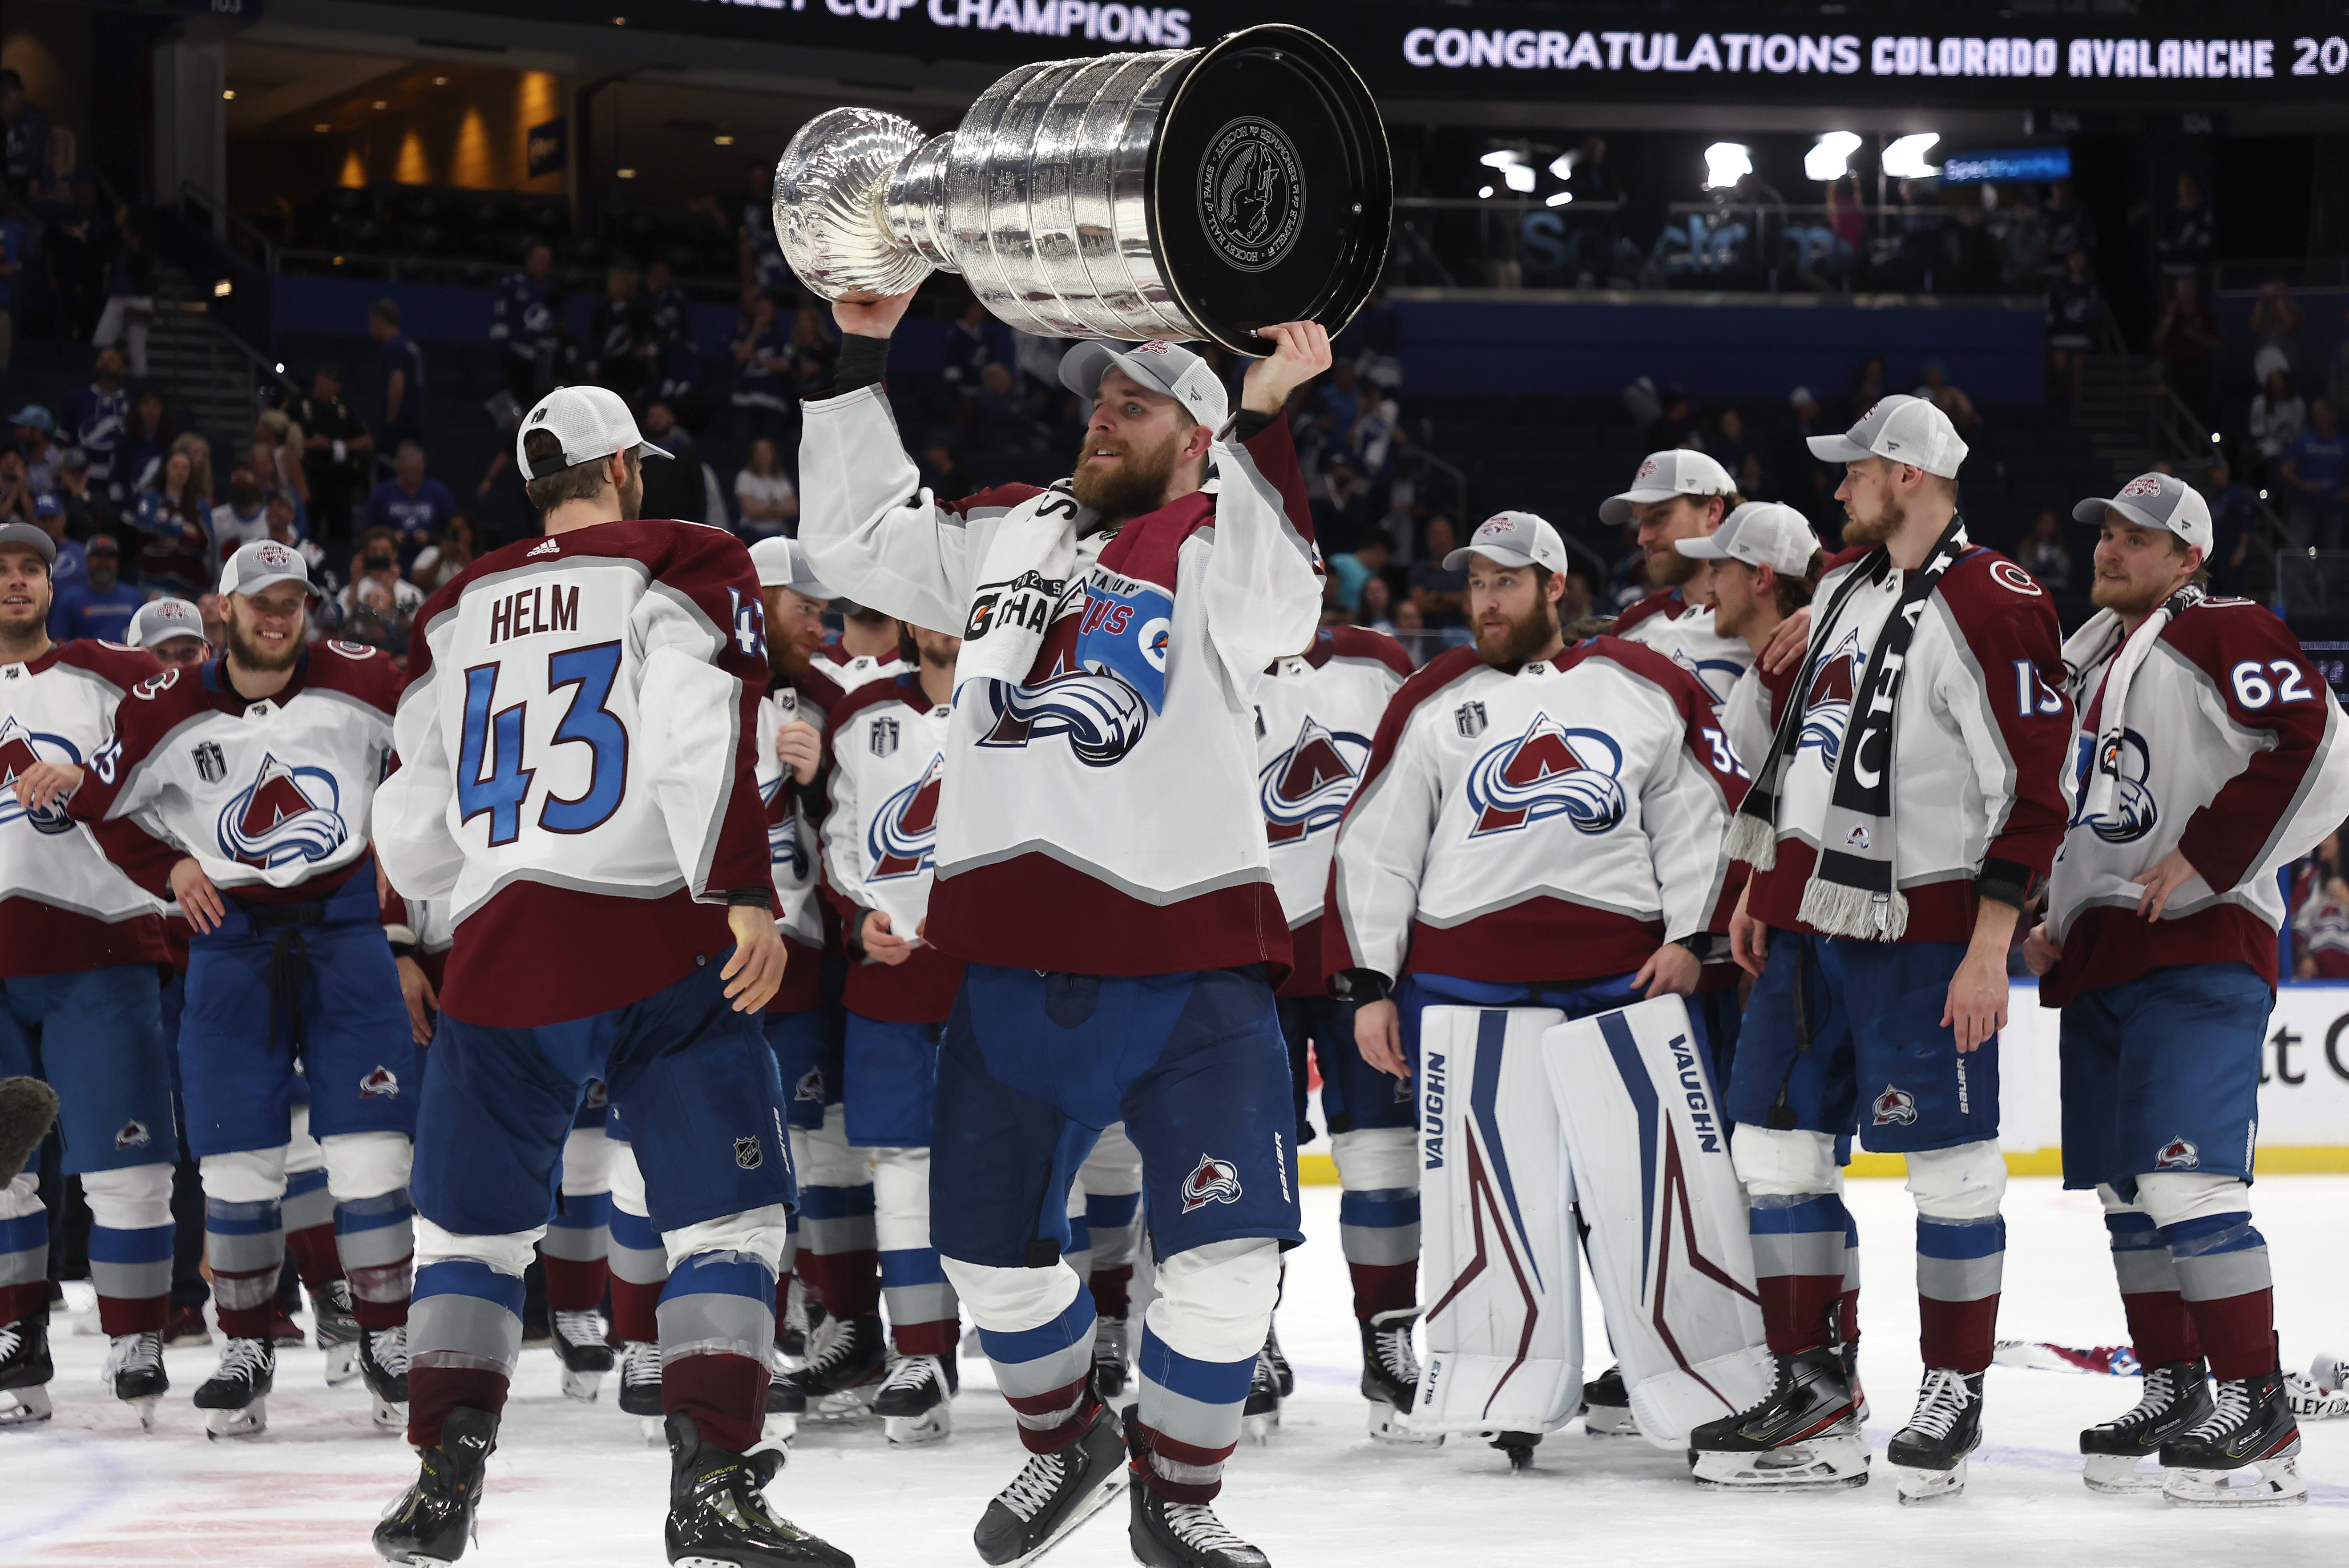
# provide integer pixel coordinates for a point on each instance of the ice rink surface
(576, 1486)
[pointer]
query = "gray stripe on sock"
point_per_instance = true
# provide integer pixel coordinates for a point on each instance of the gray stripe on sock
(477, 1332)
(1027, 1380)
(379, 1248)
(1802, 1252)
(583, 1245)
(24, 1267)
(305, 1210)
(715, 1322)
(1380, 1246)
(243, 1254)
(2215, 1276)
(1960, 1279)
(131, 1282)
(830, 1238)
(638, 1265)
(2143, 1270)
(920, 1303)
(1189, 1421)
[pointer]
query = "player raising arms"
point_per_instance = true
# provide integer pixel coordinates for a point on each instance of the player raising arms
(2208, 755)
(1101, 868)
(1908, 802)
(569, 705)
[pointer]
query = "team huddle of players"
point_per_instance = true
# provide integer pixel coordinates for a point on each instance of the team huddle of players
(730, 943)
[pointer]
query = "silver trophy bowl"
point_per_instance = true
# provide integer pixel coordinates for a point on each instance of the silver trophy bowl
(1177, 194)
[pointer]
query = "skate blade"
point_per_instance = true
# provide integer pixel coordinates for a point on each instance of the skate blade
(342, 1364)
(387, 1416)
(780, 1430)
(2279, 1485)
(581, 1385)
(651, 1425)
(1818, 1464)
(848, 1405)
(912, 1431)
(1100, 1496)
(29, 1407)
(1259, 1428)
(2117, 1475)
(1389, 1425)
(1918, 1485)
(249, 1422)
(143, 1408)
(1609, 1421)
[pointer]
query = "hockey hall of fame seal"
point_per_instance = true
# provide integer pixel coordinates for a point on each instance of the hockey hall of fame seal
(1251, 193)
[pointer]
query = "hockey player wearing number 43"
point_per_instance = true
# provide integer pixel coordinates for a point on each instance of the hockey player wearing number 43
(2207, 754)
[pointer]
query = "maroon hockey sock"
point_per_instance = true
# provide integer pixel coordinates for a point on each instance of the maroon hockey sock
(245, 1321)
(1051, 1421)
(1794, 1309)
(848, 1284)
(1113, 1289)
(434, 1391)
(1383, 1287)
(1957, 1335)
(1178, 1472)
(131, 1314)
(573, 1284)
(925, 1338)
(1848, 1318)
(22, 1301)
(635, 1310)
(2237, 1332)
(2160, 1327)
(312, 1250)
(725, 1395)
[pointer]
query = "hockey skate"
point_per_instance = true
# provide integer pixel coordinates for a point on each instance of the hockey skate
(1053, 1494)
(235, 1397)
(25, 1371)
(134, 1366)
(1391, 1375)
(1283, 1376)
(1606, 1407)
(337, 1330)
(431, 1525)
(579, 1347)
(847, 1359)
(1260, 1415)
(383, 1361)
(641, 1388)
(2245, 1454)
(1517, 1446)
(1168, 1534)
(2177, 1396)
(785, 1403)
(1112, 1358)
(1928, 1456)
(185, 1327)
(1804, 1433)
(916, 1403)
(283, 1329)
(718, 1512)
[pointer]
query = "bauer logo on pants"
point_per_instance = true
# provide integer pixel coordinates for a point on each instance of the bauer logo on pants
(1214, 1181)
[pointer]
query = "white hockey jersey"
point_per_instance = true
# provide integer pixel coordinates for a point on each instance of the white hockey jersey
(2233, 751)
(1083, 825)
(1560, 821)
(1315, 714)
(834, 673)
(578, 753)
(1684, 633)
(880, 841)
(64, 907)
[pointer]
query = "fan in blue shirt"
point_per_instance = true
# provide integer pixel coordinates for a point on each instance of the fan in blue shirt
(98, 603)
(412, 505)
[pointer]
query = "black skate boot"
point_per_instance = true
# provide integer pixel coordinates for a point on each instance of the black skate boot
(134, 1365)
(786, 1402)
(1113, 1357)
(718, 1512)
(1390, 1375)
(579, 1346)
(1281, 1373)
(1928, 1456)
(1606, 1407)
(1261, 1416)
(1167, 1534)
(235, 1397)
(24, 1365)
(383, 1361)
(847, 1359)
(337, 1331)
(1054, 1494)
(1802, 1433)
(2177, 1396)
(431, 1524)
(641, 1388)
(2245, 1454)
(916, 1403)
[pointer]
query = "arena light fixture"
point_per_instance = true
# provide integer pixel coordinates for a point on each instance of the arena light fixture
(382, 103)
(222, 289)
(1484, 190)
(723, 140)
(1559, 198)
(1726, 164)
(1563, 164)
(228, 94)
(626, 173)
(1905, 159)
(322, 128)
(1831, 159)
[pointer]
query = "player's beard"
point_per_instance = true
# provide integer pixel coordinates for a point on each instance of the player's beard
(250, 655)
(1874, 530)
(1527, 635)
(786, 659)
(1668, 568)
(1135, 484)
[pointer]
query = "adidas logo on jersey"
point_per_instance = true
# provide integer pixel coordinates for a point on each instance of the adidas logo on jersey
(551, 547)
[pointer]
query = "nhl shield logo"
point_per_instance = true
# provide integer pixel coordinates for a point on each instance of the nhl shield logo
(2177, 1154)
(211, 766)
(1894, 1106)
(749, 1153)
(1213, 1180)
(884, 738)
(1469, 720)
(134, 1135)
(380, 1084)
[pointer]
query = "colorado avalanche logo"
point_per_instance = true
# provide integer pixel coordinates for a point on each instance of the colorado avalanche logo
(2177, 1154)
(1827, 706)
(1213, 1180)
(1716, 676)
(1548, 771)
(1305, 788)
(285, 814)
(380, 1084)
(1895, 1107)
(1102, 716)
(904, 832)
(2133, 811)
(783, 845)
(19, 749)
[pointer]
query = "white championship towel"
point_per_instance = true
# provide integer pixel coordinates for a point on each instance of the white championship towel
(1669, 1250)
(1504, 1333)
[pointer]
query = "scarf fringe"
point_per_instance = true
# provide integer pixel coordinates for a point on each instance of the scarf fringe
(1837, 910)
(1752, 841)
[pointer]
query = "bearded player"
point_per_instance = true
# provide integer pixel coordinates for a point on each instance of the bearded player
(1678, 494)
(1101, 868)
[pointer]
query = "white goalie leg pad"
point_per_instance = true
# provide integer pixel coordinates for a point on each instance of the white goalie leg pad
(367, 1164)
(587, 1162)
(627, 1180)
(1670, 1248)
(1499, 1263)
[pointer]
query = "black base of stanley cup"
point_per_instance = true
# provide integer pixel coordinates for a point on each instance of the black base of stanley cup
(1270, 195)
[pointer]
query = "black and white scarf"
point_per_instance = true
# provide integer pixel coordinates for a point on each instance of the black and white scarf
(1854, 889)
(2084, 652)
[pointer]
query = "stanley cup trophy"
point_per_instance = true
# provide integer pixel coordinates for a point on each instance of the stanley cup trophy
(1178, 194)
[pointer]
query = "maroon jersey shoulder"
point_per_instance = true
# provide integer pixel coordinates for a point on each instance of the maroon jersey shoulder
(1664, 602)
(2220, 633)
(878, 693)
(1362, 642)
(353, 670)
(117, 664)
(1685, 691)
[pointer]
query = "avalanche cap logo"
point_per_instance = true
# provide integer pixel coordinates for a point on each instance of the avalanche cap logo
(380, 1084)
(20, 748)
(1895, 1107)
(2135, 810)
(1213, 1180)
(1548, 771)
(1647, 467)
(2143, 485)
(904, 832)
(1827, 706)
(2177, 1154)
(287, 813)
(1305, 788)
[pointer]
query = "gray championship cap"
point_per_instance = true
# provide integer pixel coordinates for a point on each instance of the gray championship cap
(591, 422)
(1678, 470)
(1759, 533)
(36, 539)
(1513, 538)
(784, 564)
(1903, 429)
(2157, 500)
(1162, 366)
(158, 621)
(261, 564)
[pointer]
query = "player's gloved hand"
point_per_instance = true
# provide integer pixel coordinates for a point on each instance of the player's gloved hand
(800, 750)
(198, 899)
(1670, 970)
(872, 318)
(1378, 1035)
(45, 783)
(1787, 645)
(423, 1002)
(755, 972)
(1749, 939)
(1302, 353)
(2039, 955)
(881, 944)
